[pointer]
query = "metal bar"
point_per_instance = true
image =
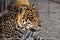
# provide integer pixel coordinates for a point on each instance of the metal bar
(2, 5)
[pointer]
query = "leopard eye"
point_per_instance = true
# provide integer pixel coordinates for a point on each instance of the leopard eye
(27, 9)
(24, 8)
(20, 10)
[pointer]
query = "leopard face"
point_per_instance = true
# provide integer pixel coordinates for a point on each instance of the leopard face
(28, 19)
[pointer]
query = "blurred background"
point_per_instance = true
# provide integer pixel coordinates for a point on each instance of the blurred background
(49, 11)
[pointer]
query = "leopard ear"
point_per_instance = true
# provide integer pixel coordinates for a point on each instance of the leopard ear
(33, 5)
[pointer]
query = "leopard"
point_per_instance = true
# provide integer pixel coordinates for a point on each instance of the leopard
(26, 18)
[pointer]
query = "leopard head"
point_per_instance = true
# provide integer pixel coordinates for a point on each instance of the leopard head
(28, 18)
